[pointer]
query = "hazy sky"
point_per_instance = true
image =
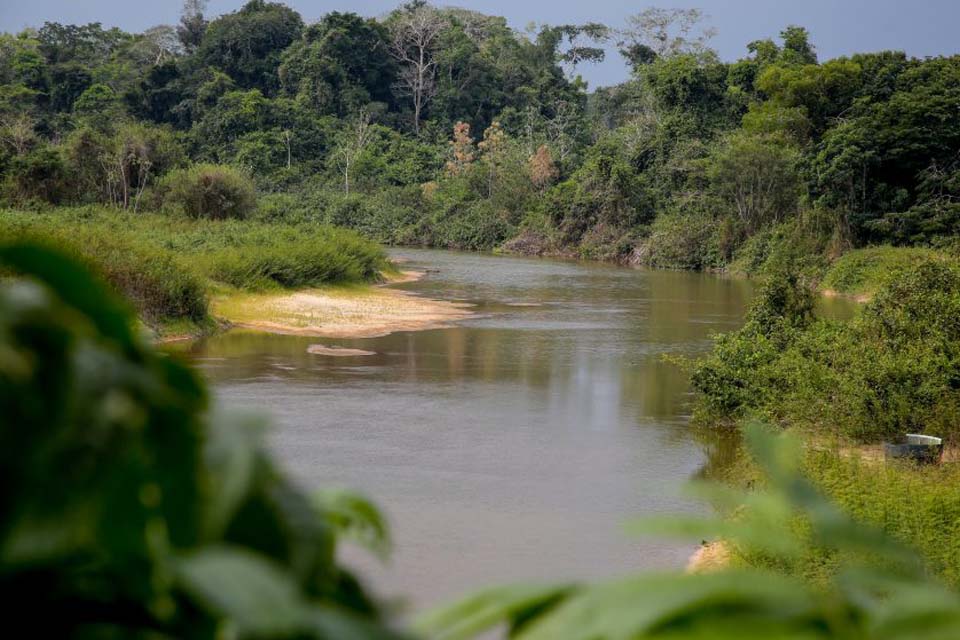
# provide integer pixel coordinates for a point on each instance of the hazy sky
(919, 27)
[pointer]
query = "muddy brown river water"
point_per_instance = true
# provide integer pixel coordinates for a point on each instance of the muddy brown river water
(513, 446)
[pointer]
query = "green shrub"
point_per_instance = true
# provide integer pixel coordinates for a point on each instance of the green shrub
(305, 263)
(891, 370)
(39, 176)
(683, 241)
(474, 226)
(215, 192)
(805, 245)
(864, 271)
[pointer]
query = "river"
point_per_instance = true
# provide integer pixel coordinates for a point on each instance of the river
(513, 446)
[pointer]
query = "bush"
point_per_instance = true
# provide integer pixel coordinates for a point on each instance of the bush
(38, 176)
(309, 261)
(805, 244)
(863, 271)
(891, 370)
(683, 241)
(216, 192)
(475, 226)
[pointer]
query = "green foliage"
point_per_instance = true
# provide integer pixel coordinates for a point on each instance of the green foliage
(39, 175)
(301, 259)
(864, 599)
(215, 192)
(248, 44)
(159, 284)
(683, 241)
(805, 244)
(889, 372)
(874, 163)
(340, 64)
(475, 226)
(756, 179)
(864, 271)
(356, 519)
(127, 509)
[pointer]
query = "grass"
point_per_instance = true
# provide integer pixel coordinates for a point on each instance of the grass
(891, 370)
(862, 272)
(919, 506)
(168, 267)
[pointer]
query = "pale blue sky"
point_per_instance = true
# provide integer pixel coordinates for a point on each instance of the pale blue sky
(838, 27)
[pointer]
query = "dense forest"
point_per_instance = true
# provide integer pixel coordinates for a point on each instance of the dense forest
(448, 128)
(243, 158)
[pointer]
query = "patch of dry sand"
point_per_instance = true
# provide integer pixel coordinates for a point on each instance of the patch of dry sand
(356, 312)
(709, 558)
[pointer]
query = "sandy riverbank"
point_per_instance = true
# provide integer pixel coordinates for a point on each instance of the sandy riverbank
(340, 312)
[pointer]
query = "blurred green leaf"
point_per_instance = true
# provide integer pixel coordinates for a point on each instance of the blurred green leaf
(230, 453)
(357, 519)
(489, 608)
(651, 606)
(253, 594)
(75, 286)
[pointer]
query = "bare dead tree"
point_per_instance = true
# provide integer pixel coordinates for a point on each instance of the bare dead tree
(192, 24)
(352, 144)
(163, 43)
(657, 32)
(414, 36)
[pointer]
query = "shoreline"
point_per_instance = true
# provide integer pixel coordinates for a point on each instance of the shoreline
(366, 311)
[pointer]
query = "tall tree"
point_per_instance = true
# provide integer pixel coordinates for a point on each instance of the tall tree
(247, 45)
(192, 24)
(353, 142)
(657, 32)
(340, 64)
(415, 30)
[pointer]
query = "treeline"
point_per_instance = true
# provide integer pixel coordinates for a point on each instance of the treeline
(446, 127)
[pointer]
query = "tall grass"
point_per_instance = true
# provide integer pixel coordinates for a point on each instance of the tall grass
(919, 506)
(160, 285)
(165, 265)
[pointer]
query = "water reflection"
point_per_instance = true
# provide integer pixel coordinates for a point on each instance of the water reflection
(514, 445)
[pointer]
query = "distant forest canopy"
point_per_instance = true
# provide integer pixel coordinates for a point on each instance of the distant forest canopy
(445, 127)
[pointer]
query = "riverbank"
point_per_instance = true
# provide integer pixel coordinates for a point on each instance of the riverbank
(845, 387)
(356, 311)
(170, 268)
